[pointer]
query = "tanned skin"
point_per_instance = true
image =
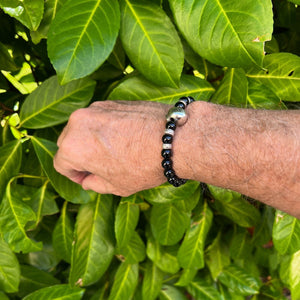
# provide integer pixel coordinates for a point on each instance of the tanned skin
(114, 147)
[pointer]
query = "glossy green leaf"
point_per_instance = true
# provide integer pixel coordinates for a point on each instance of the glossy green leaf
(191, 251)
(127, 216)
(167, 193)
(286, 233)
(295, 275)
(125, 282)
(138, 88)
(261, 97)
(233, 89)
(226, 33)
(200, 289)
(51, 104)
(217, 256)
(282, 75)
(14, 215)
(148, 37)
(33, 279)
(232, 205)
(10, 162)
(9, 269)
(152, 283)
(67, 189)
(169, 292)
(28, 12)
(168, 224)
(189, 203)
(93, 248)
(63, 235)
(82, 36)
(240, 245)
(56, 292)
(239, 280)
(134, 251)
(164, 257)
(50, 10)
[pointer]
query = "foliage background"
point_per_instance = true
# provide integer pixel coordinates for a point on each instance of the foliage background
(194, 242)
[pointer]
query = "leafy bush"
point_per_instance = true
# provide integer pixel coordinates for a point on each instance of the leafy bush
(193, 242)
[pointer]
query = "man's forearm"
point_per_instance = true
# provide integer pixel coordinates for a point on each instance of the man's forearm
(254, 152)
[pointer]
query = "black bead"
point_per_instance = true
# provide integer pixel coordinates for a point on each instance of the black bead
(169, 173)
(167, 139)
(174, 181)
(180, 104)
(166, 153)
(167, 164)
(190, 99)
(171, 125)
(185, 100)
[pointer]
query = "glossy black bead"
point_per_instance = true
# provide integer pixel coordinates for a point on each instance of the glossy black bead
(180, 104)
(167, 164)
(171, 125)
(169, 173)
(174, 181)
(185, 100)
(167, 139)
(166, 153)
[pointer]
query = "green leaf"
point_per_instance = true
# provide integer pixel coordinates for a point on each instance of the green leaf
(134, 251)
(164, 257)
(232, 205)
(240, 245)
(62, 237)
(187, 276)
(226, 33)
(125, 282)
(138, 88)
(239, 280)
(282, 75)
(167, 193)
(51, 104)
(6, 61)
(169, 292)
(9, 269)
(10, 162)
(295, 275)
(67, 189)
(200, 289)
(149, 51)
(14, 215)
(33, 279)
(127, 216)
(93, 248)
(217, 256)
(152, 283)
(286, 233)
(261, 97)
(3, 296)
(191, 251)
(28, 12)
(233, 89)
(189, 203)
(82, 36)
(50, 10)
(56, 292)
(168, 224)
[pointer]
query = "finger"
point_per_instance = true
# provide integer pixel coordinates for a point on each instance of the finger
(97, 184)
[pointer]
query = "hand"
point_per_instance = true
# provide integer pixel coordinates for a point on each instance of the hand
(113, 147)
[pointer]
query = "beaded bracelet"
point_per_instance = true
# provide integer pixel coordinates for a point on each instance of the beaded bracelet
(176, 116)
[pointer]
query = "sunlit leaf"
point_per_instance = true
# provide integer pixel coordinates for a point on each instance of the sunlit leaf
(94, 241)
(63, 235)
(51, 104)
(148, 50)
(28, 12)
(82, 36)
(138, 88)
(169, 292)
(226, 33)
(282, 75)
(125, 282)
(295, 275)
(67, 189)
(286, 233)
(9, 269)
(200, 289)
(56, 292)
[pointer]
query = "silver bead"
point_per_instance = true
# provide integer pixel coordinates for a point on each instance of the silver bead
(167, 146)
(178, 115)
(169, 131)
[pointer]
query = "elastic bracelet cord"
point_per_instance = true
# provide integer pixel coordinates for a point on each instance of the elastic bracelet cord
(176, 116)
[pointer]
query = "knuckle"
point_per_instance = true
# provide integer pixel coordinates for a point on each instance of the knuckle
(78, 115)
